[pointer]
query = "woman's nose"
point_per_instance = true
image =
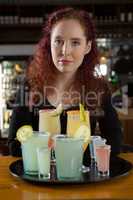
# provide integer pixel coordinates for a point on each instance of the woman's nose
(66, 48)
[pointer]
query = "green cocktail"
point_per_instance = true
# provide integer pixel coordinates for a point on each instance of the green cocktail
(43, 157)
(69, 156)
(29, 151)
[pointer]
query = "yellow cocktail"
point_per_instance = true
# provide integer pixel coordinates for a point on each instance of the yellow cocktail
(78, 128)
(74, 122)
(49, 122)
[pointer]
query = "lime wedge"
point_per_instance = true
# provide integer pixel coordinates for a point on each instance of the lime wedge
(83, 132)
(24, 132)
(57, 111)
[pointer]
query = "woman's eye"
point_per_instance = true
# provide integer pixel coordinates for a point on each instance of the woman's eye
(75, 43)
(58, 42)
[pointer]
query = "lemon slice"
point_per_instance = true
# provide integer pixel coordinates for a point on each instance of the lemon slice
(82, 113)
(83, 132)
(57, 111)
(24, 132)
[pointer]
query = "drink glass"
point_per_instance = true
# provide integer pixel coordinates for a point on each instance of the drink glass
(73, 123)
(29, 154)
(91, 146)
(43, 158)
(103, 159)
(96, 142)
(50, 123)
(69, 157)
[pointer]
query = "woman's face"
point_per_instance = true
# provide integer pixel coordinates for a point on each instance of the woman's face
(68, 45)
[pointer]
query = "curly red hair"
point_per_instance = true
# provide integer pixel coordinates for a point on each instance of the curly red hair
(41, 67)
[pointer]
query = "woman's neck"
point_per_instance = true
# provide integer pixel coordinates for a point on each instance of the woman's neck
(62, 89)
(64, 81)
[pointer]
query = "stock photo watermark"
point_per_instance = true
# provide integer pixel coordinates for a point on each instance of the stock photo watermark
(91, 99)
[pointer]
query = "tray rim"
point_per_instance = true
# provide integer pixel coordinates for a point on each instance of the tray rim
(65, 182)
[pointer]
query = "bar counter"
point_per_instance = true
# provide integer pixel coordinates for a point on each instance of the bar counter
(126, 119)
(14, 188)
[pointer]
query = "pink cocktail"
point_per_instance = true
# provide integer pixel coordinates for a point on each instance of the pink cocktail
(103, 159)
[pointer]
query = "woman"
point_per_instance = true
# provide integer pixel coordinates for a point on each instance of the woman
(63, 71)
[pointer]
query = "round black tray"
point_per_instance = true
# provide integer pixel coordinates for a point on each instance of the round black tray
(118, 167)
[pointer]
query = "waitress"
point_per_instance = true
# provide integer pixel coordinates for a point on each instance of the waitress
(63, 71)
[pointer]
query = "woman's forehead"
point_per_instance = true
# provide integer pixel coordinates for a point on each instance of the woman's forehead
(71, 27)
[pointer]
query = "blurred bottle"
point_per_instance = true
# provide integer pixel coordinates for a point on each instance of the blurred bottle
(130, 17)
(122, 17)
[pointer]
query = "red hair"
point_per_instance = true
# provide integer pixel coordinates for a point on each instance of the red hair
(42, 68)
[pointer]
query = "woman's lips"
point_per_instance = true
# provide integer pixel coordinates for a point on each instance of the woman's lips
(65, 61)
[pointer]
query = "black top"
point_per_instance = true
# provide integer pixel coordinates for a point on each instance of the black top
(109, 124)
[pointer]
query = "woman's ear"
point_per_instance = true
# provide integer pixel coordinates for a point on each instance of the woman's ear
(88, 47)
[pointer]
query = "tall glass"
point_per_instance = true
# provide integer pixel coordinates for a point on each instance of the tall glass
(50, 123)
(29, 148)
(73, 123)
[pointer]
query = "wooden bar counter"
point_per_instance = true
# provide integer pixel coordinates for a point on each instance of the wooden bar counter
(126, 119)
(14, 188)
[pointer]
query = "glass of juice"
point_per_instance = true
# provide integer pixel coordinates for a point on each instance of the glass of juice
(29, 154)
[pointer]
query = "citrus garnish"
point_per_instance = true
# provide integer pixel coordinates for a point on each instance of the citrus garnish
(82, 113)
(24, 132)
(83, 132)
(57, 111)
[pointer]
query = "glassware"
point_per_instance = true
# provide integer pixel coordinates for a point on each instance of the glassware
(73, 123)
(29, 154)
(50, 123)
(96, 142)
(103, 159)
(43, 158)
(93, 137)
(69, 157)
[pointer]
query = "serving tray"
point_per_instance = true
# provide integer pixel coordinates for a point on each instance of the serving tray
(118, 167)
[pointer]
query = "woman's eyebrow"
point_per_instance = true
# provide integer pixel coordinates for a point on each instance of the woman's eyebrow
(58, 37)
(76, 38)
(73, 38)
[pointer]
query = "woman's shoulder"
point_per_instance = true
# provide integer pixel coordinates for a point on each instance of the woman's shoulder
(100, 84)
(98, 93)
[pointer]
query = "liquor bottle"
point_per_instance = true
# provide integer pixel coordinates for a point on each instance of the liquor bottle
(130, 17)
(122, 17)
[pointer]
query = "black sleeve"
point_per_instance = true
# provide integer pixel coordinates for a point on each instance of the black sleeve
(110, 126)
(21, 116)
